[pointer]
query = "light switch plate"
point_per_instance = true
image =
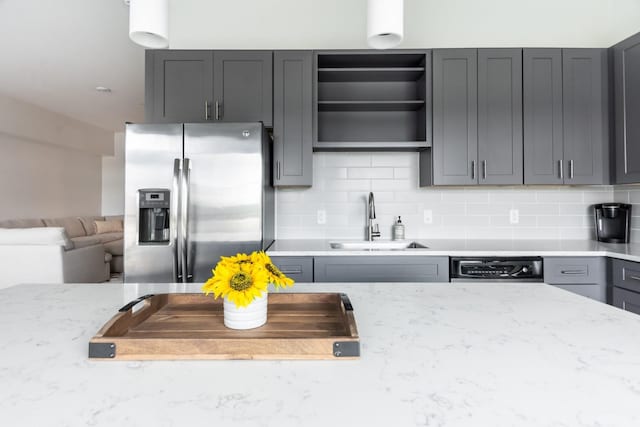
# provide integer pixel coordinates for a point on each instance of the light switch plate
(322, 216)
(514, 216)
(428, 216)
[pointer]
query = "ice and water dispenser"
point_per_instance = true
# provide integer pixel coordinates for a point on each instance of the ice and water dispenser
(153, 216)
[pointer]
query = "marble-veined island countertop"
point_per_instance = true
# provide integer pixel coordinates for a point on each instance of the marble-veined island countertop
(431, 355)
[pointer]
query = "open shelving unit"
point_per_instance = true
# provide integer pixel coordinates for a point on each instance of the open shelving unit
(366, 100)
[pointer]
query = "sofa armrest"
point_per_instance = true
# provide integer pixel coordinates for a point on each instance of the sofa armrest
(84, 265)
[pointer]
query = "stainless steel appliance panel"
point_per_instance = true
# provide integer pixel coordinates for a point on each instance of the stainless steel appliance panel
(153, 152)
(222, 193)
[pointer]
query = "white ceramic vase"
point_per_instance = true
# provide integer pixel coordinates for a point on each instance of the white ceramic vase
(249, 317)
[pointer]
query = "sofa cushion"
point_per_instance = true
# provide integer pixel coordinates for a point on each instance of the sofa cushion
(21, 223)
(41, 236)
(72, 225)
(115, 247)
(110, 226)
(108, 237)
(84, 241)
(89, 225)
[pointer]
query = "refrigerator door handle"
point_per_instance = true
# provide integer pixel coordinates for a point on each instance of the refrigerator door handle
(173, 219)
(184, 220)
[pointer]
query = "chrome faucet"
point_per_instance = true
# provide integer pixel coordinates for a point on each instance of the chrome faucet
(372, 229)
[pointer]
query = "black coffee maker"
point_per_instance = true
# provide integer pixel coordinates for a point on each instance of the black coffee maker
(613, 222)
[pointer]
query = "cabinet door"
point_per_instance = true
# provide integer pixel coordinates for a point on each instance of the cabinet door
(179, 86)
(500, 116)
(299, 268)
(380, 269)
(542, 100)
(595, 292)
(243, 86)
(627, 107)
(626, 300)
(585, 116)
(455, 115)
(292, 118)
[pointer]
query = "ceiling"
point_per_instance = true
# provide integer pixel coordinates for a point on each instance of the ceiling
(54, 53)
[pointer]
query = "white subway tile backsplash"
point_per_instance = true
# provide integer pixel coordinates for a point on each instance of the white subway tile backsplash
(342, 182)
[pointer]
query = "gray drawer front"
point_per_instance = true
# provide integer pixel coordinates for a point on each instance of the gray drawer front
(574, 270)
(596, 292)
(299, 268)
(626, 300)
(381, 269)
(626, 274)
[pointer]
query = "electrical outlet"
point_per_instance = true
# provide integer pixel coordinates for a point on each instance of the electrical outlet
(514, 216)
(322, 216)
(428, 216)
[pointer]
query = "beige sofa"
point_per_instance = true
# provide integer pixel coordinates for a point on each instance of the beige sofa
(79, 252)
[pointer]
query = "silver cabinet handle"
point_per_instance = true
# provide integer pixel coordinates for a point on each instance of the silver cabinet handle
(207, 116)
(218, 108)
(624, 305)
(173, 220)
(278, 173)
(292, 271)
(634, 278)
(570, 169)
(473, 170)
(484, 169)
(184, 219)
(561, 168)
(573, 272)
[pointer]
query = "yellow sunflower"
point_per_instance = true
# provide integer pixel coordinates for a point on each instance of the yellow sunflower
(275, 276)
(238, 280)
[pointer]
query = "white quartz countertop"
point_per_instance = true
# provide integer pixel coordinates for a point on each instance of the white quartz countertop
(431, 355)
(475, 247)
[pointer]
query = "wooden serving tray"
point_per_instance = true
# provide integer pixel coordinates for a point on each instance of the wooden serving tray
(190, 326)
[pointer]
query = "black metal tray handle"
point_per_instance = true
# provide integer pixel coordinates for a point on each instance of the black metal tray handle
(130, 305)
(346, 302)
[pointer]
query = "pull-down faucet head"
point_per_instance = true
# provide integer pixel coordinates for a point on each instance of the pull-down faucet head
(372, 206)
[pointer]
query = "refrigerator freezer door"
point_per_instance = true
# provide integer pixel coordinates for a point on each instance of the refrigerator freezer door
(225, 193)
(153, 152)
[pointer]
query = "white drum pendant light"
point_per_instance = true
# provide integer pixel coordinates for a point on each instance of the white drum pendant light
(384, 23)
(149, 23)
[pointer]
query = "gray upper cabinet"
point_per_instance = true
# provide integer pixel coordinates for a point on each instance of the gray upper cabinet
(201, 86)
(243, 86)
(292, 118)
(500, 116)
(626, 56)
(566, 116)
(477, 116)
(455, 118)
(542, 93)
(178, 86)
(585, 116)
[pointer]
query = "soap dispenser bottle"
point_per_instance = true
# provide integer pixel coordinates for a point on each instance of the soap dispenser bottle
(398, 230)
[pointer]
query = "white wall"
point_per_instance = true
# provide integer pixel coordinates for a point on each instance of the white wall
(50, 165)
(113, 178)
(317, 24)
(342, 182)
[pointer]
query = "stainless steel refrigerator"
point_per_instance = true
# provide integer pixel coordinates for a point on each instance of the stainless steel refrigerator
(194, 192)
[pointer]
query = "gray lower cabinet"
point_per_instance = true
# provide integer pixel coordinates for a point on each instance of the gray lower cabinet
(299, 268)
(626, 55)
(585, 116)
(626, 285)
(477, 116)
(292, 118)
(178, 86)
(586, 276)
(380, 269)
(207, 86)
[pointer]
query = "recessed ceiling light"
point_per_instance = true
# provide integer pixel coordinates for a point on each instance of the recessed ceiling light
(103, 89)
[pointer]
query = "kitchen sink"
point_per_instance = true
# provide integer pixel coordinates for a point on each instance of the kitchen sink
(377, 244)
